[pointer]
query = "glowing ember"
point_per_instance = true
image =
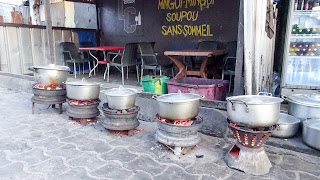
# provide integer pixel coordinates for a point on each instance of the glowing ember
(82, 102)
(84, 119)
(186, 122)
(47, 87)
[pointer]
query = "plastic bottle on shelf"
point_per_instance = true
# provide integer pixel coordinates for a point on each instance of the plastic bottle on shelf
(308, 73)
(300, 72)
(294, 72)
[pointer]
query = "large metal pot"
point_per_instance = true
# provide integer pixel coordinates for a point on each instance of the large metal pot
(121, 98)
(304, 106)
(50, 74)
(288, 126)
(254, 110)
(83, 90)
(178, 106)
(311, 132)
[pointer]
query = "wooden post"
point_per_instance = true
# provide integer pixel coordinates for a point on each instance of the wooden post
(238, 85)
(49, 32)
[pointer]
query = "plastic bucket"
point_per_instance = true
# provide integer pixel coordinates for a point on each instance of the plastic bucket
(155, 84)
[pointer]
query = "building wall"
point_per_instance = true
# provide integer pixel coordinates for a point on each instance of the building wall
(119, 21)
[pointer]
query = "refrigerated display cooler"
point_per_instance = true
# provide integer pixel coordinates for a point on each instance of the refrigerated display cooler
(301, 64)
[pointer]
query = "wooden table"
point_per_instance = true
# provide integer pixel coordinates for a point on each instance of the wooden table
(103, 49)
(193, 52)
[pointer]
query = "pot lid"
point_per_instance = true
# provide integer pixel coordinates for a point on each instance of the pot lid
(288, 119)
(255, 99)
(121, 91)
(312, 123)
(179, 97)
(54, 67)
(83, 82)
(305, 99)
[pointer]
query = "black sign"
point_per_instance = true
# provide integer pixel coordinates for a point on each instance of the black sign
(83, 1)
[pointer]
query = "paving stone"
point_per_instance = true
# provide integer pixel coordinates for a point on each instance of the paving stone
(49, 143)
(176, 173)
(111, 170)
(217, 169)
(119, 153)
(237, 175)
(3, 160)
(208, 177)
(305, 176)
(22, 129)
(30, 157)
(274, 158)
(139, 175)
(95, 146)
(146, 164)
(277, 173)
(59, 133)
(45, 127)
(35, 177)
(12, 171)
(14, 146)
(74, 174)
(294, 163)
(88, 160)
(32, 136)
(67, 151)
(51, 167)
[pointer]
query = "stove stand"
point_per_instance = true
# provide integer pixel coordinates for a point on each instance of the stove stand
(247, 154)
(178, 136)
(120, 120)
(48, 95)
(82, 110)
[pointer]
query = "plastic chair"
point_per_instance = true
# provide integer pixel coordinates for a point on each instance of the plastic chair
(149, 59)
(230, 61)
(125, 59)
(72, 55)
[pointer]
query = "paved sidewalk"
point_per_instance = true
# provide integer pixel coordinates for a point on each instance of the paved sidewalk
(47, 145)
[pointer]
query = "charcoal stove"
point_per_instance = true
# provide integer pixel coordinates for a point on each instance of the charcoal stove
(178, 135)
(247, 154)
(120, 120)
(48, 94)
(83, 111)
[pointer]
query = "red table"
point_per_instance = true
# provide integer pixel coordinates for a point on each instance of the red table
(103, 49)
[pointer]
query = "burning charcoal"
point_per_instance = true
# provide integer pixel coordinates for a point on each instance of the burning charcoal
(199, 156)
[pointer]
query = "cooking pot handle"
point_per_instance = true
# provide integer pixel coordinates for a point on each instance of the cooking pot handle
(32, 69)
(155, 97)
(239, 101)
(264, 94)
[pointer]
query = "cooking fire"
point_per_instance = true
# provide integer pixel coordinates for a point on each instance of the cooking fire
(186, 122)
(47, 87)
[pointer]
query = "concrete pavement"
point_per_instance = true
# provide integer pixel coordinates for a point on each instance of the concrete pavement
(47, 145)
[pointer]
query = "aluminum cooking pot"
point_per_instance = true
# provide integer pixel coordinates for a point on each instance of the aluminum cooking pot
(50, 74)
(178, 106)
(311, 133)
(304, 106)
(288, 126)
(254, 110)
(121, 98)
(83, 90)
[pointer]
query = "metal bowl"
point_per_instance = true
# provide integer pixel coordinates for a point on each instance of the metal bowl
(311, 133)
(288, 126)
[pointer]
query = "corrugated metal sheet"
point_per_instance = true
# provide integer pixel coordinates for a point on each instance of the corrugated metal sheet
(3, 50)
(26, 49)
(14, 50)
(29, 46)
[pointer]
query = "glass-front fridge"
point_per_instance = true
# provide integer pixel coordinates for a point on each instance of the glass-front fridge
(301, 66)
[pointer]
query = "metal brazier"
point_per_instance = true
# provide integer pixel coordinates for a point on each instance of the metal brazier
(311, 133)
(50, 74)
(83, 90)
(178, 106)
(121, 98)
(254, 110)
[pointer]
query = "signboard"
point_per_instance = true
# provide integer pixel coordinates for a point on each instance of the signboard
(83, 1)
